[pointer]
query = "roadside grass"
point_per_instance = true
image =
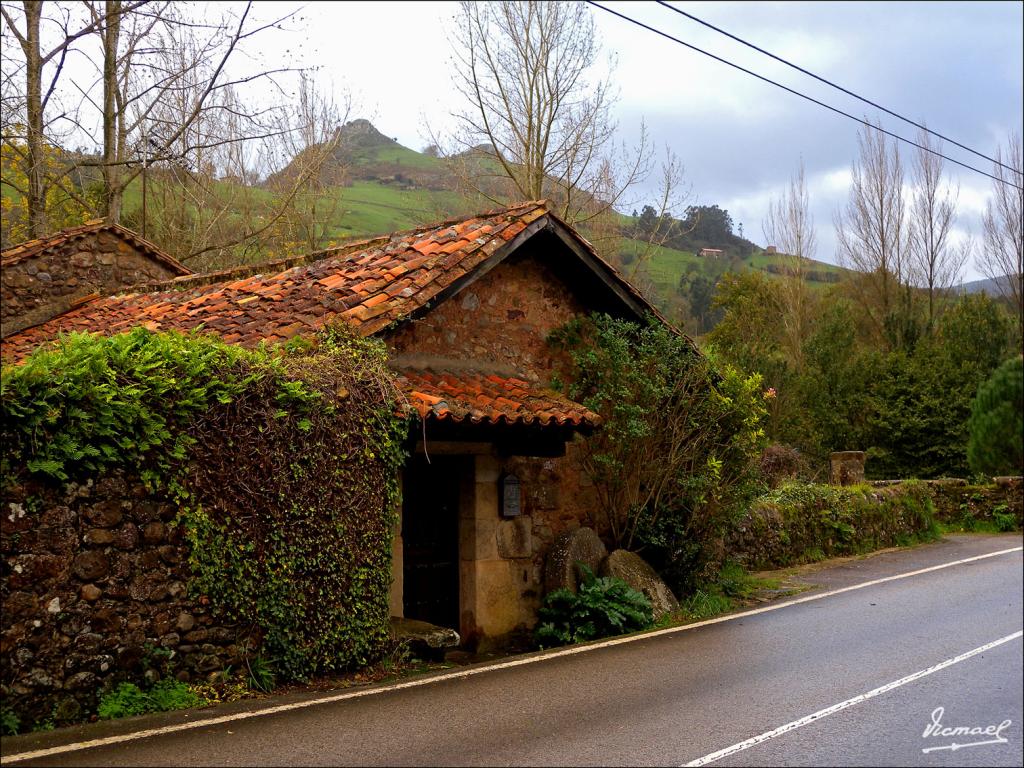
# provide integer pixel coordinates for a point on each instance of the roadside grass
(999, 523)
(734, 588)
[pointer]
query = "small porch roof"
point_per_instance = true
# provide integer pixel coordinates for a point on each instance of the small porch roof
(479, 397)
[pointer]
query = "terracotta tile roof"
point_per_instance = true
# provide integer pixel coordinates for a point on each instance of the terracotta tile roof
(489, 398)
(372, 285)
(31, 248)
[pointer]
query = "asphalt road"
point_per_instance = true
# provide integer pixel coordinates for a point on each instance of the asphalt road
(678, 697)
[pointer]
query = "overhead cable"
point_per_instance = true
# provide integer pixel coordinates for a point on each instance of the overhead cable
(811, 99)
(838, 87)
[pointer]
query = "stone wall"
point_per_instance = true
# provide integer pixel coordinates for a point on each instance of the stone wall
(959, 502)
(94, 593)
(803, 523)
(36, 288)
(504, 317)
(503, 558)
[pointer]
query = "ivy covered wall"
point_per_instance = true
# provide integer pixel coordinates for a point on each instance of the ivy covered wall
(173, 495)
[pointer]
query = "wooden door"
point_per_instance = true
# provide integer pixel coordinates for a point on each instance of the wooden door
(430, 538)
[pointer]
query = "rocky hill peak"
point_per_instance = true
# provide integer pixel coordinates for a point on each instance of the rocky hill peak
(361, 133)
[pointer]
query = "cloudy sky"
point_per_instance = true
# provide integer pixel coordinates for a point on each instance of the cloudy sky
(955, 66)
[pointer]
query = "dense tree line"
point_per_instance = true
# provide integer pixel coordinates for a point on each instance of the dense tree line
(907, 406)
(701, 226)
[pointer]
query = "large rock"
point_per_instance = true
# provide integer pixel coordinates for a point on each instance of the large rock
(561, 570)
(635, 571)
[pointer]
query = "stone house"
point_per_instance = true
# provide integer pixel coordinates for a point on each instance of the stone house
(465, 307)
(42, 278)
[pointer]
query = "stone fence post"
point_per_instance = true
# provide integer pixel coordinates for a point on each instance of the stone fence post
(846, 467)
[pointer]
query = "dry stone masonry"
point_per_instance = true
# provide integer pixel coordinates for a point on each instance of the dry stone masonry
(43, 278)
(94, 592)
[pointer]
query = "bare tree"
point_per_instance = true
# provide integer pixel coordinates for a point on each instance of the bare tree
(241, 201)
(872, 236)
(643, 239)
(307, 190)
(146, 54)
(1001, 257)
(41, 68)
(536, 121)
(790, 227)
(151, 57)
(937, 263)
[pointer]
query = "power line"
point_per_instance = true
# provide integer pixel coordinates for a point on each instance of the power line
(834, 85)
(801, 95)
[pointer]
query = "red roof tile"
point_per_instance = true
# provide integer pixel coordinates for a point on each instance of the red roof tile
(482, 398)
(30, 248)
(357, 282)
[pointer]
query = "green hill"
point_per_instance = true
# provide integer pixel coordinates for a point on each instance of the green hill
(381, 186)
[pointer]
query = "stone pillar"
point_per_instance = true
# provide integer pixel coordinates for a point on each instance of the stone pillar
(846, 467)
(490, 585)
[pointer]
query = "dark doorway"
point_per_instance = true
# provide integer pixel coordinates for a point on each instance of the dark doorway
(430, 539)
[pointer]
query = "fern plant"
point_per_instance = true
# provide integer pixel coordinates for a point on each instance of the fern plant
(602, 607)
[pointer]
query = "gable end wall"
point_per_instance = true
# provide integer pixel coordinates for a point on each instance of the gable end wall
(504, 317)
(43, 286)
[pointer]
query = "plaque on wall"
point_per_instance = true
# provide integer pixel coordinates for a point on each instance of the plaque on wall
(511, 496)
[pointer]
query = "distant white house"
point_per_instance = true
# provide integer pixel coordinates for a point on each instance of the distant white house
(714, 253)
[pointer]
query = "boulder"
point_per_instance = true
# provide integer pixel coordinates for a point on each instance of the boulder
(561, 570)
(635, 571)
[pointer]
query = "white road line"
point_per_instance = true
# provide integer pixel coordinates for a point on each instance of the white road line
(822, 713)
(472, 671)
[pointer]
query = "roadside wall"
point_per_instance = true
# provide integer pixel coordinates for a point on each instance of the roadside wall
(94, 593)
(958, 502)
(799, 523)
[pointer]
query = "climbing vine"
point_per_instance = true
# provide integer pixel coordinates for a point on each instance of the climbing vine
(283, 462)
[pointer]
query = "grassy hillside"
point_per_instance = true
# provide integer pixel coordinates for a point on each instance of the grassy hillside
(390, 187)
(373, 208)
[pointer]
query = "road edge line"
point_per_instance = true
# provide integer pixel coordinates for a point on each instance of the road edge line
(823, 713)
(473, 671)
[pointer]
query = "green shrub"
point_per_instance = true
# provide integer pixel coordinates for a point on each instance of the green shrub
(261, 674)
(1005, 521)
(9, 721)
(128, 700)
(93, 403)
(602, 607)
(676, 454)
(996, 445)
